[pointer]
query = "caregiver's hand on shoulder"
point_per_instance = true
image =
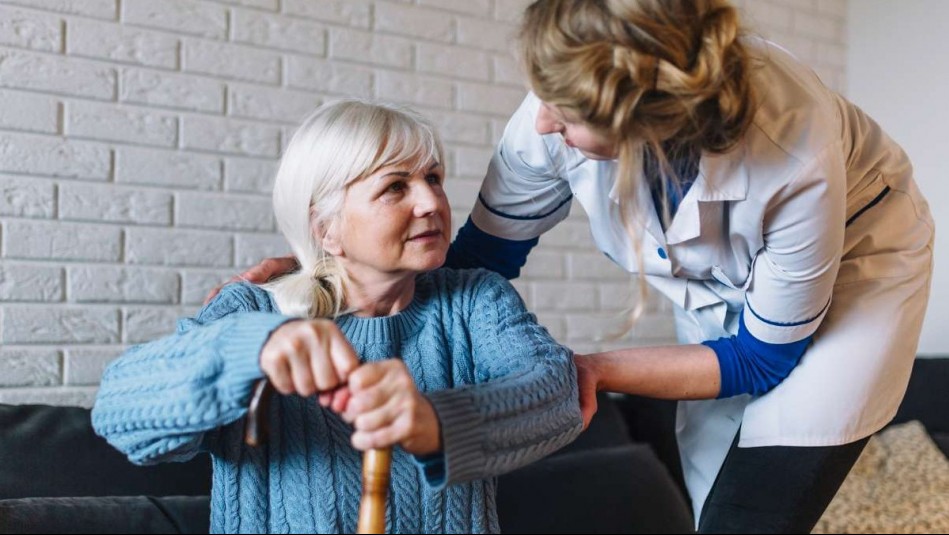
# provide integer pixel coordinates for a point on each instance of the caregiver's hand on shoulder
(587, 380)
(386, 408)
(308, 356)
(259, 274)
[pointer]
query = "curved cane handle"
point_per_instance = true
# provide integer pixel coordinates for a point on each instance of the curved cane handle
(256, 428)
(376, 466)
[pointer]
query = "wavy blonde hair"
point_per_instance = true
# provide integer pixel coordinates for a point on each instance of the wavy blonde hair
(661, 77)
(338, 144)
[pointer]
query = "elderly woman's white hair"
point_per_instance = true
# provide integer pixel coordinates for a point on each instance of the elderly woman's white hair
(339, 143)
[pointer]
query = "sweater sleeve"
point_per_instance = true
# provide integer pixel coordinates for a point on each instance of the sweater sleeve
(525, 403)
(158, 400)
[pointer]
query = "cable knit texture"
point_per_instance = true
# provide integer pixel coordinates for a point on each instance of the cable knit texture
(504, 390)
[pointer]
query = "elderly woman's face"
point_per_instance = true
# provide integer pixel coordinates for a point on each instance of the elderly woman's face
(396, 221)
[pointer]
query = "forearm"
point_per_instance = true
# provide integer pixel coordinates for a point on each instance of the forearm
(664, 372)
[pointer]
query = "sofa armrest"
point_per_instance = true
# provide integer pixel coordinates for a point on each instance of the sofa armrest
(111, 514)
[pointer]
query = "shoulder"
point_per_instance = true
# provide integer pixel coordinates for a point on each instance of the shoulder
(234, 298)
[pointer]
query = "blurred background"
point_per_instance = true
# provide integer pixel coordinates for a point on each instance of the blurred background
(138, 140)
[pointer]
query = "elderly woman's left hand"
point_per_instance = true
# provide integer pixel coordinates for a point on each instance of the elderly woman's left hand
(386, 408)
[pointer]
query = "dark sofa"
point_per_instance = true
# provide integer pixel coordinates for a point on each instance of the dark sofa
(56, 476)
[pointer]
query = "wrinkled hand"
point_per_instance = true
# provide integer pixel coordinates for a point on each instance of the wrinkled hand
(587, 381)
(308, 356)
(259, 274)
(386, 408)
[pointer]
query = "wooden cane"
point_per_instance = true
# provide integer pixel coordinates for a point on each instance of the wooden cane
(376, 463)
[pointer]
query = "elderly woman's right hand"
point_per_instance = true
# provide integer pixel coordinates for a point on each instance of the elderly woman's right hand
(308, 356)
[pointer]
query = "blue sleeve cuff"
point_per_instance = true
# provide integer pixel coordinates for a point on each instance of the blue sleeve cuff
(750, 366)
(475, 248)
(433, 468)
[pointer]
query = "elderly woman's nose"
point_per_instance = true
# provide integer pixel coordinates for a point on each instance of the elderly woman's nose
(426, 200)
(547, 123)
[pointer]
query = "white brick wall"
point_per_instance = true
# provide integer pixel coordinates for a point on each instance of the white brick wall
(138, 141)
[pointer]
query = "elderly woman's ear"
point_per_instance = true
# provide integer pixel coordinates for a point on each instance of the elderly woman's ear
(327, 234)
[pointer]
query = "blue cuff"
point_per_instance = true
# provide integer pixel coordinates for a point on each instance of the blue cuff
(750, 366)
(433, 468)
(475, 248)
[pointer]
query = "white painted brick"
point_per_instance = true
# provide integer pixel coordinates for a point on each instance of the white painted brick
(119, 123)
(121, 43)
(286, 33)
(834, 8)
(30, 282)
(85, 365)
(147, 324)
(270, 5)
(524, 290)
(413, 21)
(50, 156)
(257, 102)
(229, 60)
(568, 234)
(44, 240)
(328, 77)
(52, 325)
(167, 168)
(487, 34)
(28, 29)
(491, 99)
(767, 17)
(241, 174)
(63, 397)
(56, 74)
(353, 13)
(185, 16)
(197, 284)
(803, 48)
(821, 27)
(155, 88)
(544, 265)
(224, 211)
(225, 135)
(562, 295)
(27, 112)
(593, 266)
(458, 127)
(117, 204)
(166, 247)
(510, 11)
(26, 197)
(624, 296)
(454, 61)
(593, 327)
(252, 248)
(471, 7)
(368, 47)
(102, 9)
(413, 88)
(109, 284)
(29, 367)
(462, 194)
(508, 71)
(497, 129)
(472, 162)
(832, 55)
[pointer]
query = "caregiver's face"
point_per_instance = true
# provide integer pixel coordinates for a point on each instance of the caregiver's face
(397, 220)
(576, 133)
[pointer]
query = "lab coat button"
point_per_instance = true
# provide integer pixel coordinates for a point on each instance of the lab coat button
(662, 253)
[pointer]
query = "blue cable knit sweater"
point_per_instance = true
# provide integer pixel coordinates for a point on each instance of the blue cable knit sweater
(504, 391)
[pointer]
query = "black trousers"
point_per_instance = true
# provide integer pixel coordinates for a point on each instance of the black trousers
(774, 489)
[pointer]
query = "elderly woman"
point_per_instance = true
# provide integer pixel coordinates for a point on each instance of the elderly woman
(370, 344)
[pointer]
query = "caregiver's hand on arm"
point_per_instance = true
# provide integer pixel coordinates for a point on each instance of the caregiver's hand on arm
(259, 274)
(308, 356)
(386, 408)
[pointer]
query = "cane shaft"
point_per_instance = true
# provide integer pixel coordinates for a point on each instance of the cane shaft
(376, 466)
(255, 430)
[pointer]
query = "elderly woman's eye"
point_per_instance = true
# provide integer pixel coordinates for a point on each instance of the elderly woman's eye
(396, 187)
(434, 178)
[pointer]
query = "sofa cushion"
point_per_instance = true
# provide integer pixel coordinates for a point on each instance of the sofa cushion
(111, 514)
(50, 451)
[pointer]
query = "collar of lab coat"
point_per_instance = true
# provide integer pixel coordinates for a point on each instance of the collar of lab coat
(721, 178)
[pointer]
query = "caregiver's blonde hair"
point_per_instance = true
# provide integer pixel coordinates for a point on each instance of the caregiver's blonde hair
(338, 144)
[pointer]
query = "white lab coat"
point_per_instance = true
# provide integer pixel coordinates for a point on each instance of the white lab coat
(811, 225)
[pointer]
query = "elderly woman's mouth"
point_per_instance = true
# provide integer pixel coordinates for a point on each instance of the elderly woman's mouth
(427, 235)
